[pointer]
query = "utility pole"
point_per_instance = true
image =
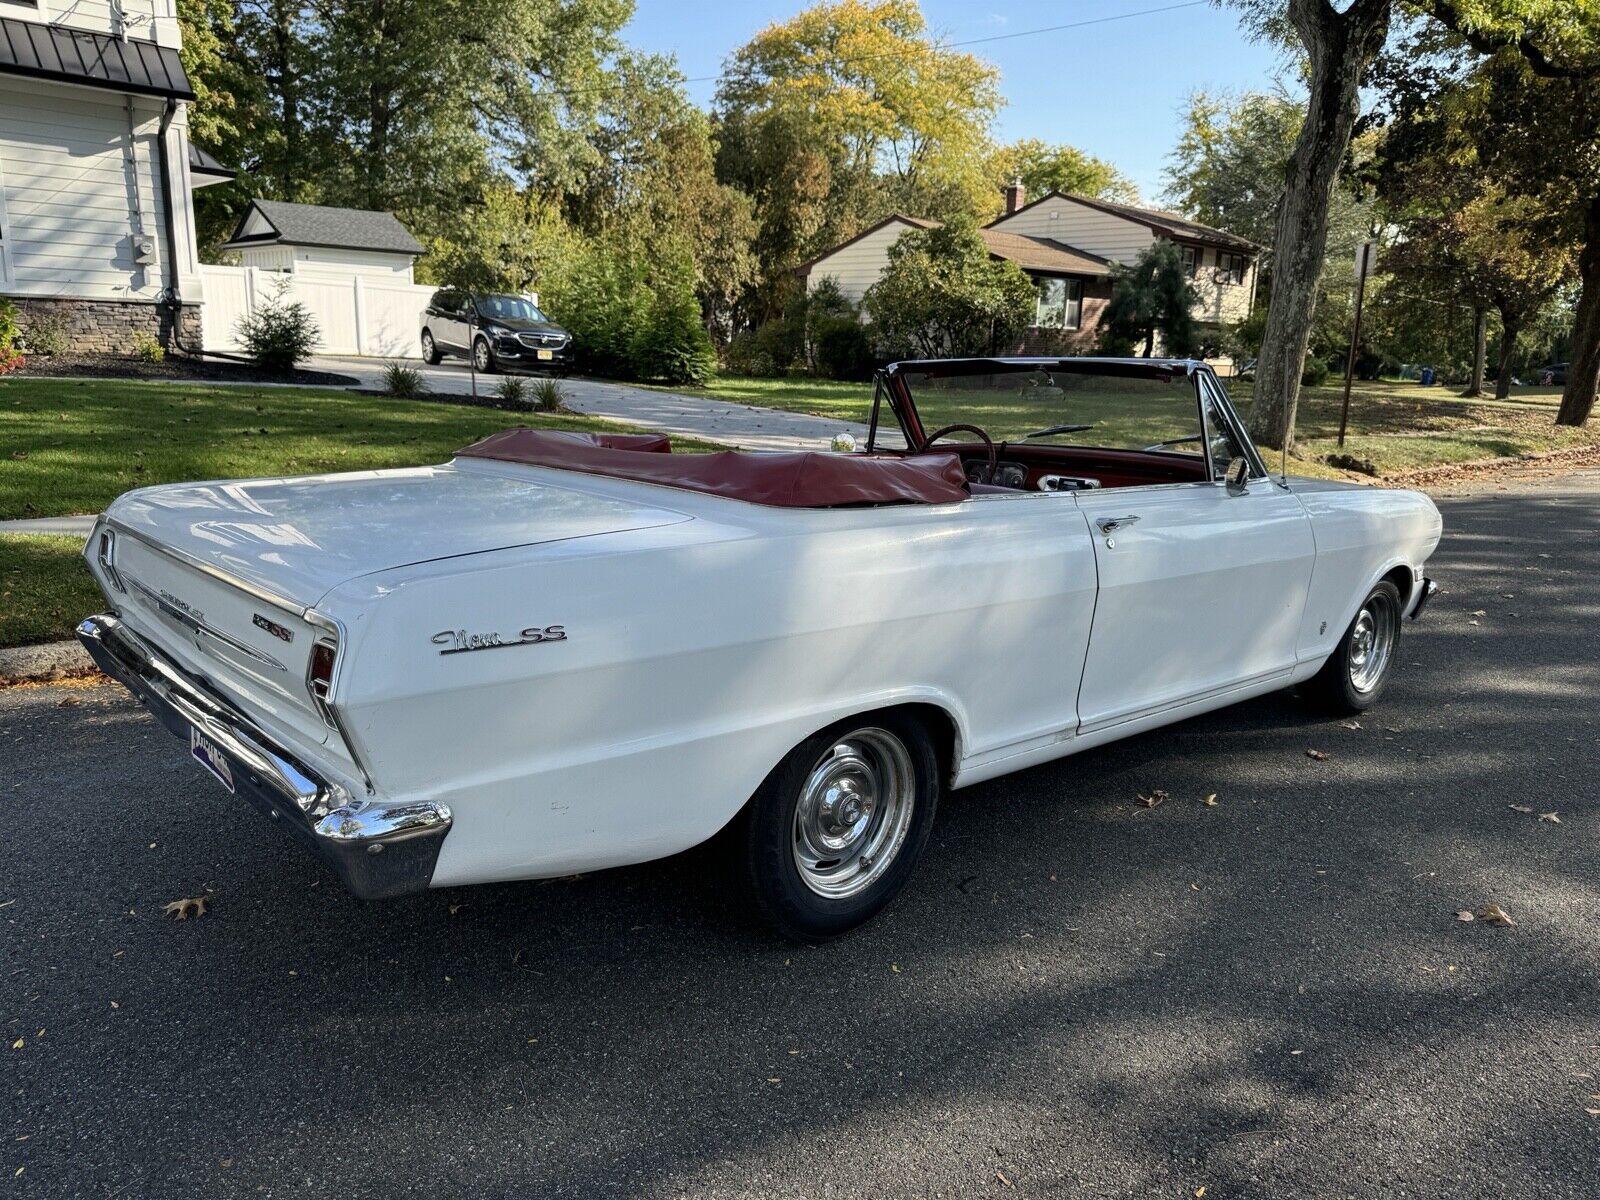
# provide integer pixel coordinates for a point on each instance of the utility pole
(1366, 260)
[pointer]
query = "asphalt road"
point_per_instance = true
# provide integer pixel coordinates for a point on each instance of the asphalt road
(1269, 998)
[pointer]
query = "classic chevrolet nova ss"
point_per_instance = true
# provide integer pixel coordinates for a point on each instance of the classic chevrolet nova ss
(562, 652)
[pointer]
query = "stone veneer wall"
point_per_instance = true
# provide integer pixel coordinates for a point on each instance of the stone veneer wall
(108, 326)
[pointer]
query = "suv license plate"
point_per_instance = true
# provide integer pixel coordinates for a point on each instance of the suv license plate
(546, 355)
(208, 756)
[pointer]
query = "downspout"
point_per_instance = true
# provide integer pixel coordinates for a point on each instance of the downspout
(169, 221)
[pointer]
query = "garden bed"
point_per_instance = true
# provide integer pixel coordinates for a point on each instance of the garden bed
(172, 369)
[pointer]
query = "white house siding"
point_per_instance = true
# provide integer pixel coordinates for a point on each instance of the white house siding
(1078, 225)
(856, 267)
(369, 264)
(152, 20)
(1222, 303)
(75, 186)
(268, 258)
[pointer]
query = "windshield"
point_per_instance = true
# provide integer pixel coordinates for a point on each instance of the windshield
(1049, 406)
(509, 308)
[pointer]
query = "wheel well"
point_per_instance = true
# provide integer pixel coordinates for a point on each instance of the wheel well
(1402, 579)
(941, 727)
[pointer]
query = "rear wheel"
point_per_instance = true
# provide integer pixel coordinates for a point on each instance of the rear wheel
(833, 834)
(1358, 669)
(430, 350)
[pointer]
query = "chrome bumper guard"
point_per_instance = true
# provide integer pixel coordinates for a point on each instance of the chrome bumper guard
(377, 851)
(1428, 589)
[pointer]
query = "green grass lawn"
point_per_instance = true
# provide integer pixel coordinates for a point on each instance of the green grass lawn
(45, 589)
(73, 446)
(1395, 426)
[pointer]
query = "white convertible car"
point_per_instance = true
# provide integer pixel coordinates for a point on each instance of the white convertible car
(559, 652)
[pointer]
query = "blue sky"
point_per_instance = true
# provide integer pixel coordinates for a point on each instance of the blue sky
(1114, 89)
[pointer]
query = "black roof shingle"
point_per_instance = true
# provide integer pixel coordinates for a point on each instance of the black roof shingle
(331, 228)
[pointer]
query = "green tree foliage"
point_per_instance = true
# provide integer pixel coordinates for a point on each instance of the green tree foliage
(943, 295)
(1151, 296)
(842, 114)
(1045, 167)
(669, 342)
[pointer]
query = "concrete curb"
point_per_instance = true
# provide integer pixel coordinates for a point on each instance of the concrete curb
(53, 660)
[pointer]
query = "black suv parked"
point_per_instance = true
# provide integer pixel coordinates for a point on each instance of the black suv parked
(496, 329)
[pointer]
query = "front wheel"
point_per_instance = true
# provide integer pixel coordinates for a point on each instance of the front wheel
(1358, 669)
(483, 357)
(833, 834)
(430, 349)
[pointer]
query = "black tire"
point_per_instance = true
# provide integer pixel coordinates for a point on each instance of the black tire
(483, 357)
(430, 349)
(767, 837)
(1344, 685)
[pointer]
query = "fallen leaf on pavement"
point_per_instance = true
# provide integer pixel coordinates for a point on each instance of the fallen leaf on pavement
(1522, 808)
(1553, 818)
(1200, 1193)
(1001, 1176)
(183, 909)
(1350, 724)
(1209, 799)
(1153, 799)
(1319, 755)
(1465, 914)
(1495, 915)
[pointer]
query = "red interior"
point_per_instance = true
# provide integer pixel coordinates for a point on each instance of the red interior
(1113, 468)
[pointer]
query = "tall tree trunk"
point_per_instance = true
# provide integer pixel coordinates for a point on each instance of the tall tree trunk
(1480, 350)
(292, 172)
(1583, 375)
(1149, 341)
(1340, 45)
(1510, 329)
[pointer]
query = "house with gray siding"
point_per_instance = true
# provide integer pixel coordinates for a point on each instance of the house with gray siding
(97, 172)
(1067, 244)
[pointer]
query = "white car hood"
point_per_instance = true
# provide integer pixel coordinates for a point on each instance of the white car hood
(299, 538)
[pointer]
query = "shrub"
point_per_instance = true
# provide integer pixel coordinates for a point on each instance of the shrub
(8, 326)
(783, 341)
(46, 335)
(147, 348)
(548, 396)
(406, 383)
(842, 349)
(279, 333)
(512, 391)
(671, 344)
(1315, 372)
(942, 295)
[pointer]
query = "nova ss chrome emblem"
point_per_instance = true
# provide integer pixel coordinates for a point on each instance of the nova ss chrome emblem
(272, 627)
(459, 641)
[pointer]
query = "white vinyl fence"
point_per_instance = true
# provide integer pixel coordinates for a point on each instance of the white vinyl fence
(356, 314)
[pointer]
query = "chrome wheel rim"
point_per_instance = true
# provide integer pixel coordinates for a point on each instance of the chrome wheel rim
(427, 345)
(854, 813)
(480, 356)
(1372, 642)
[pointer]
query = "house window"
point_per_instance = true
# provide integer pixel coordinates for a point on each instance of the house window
(1230, 268)
(1191, 259)
(1058, 303)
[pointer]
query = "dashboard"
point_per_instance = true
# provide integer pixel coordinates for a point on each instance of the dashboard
(1016, 475)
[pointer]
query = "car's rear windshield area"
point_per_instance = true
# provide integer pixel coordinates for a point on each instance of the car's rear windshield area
(509, 308)
(1058, 407)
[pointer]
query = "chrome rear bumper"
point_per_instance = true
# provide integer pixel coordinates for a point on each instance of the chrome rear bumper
(376, 850)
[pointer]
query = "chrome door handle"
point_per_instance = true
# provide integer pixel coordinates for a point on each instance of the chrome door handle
(1108, 524)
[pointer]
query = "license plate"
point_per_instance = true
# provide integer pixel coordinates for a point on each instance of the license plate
(546, 355)
(208, 756)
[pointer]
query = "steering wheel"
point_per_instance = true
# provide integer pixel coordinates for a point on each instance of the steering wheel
(988, 474)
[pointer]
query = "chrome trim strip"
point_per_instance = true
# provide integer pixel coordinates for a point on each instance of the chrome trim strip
(199, 564)
(203, 628)
(377, 850)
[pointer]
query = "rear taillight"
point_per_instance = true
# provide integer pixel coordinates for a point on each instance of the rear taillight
(319, 676)
(106, 554)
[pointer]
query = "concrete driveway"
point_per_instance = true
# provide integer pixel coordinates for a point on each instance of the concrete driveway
(742, 425)
(1078, 996)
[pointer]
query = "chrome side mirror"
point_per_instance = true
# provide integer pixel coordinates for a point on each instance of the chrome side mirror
(843, 443)
(1238, 476)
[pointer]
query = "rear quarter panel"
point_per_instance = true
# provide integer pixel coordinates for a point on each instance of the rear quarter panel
(1362, 533)
(696, 656)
